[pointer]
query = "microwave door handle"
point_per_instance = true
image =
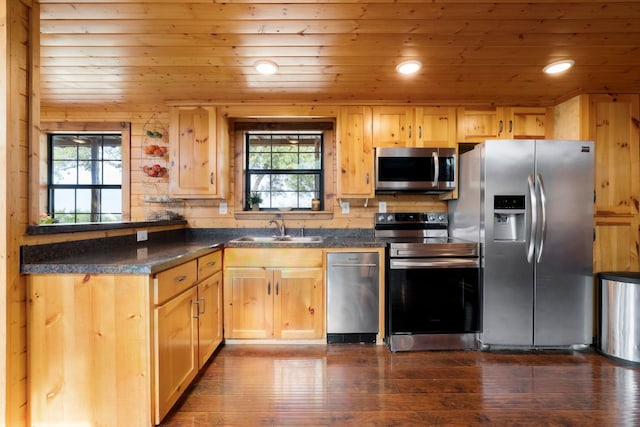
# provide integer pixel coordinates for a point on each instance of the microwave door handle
(436, 167)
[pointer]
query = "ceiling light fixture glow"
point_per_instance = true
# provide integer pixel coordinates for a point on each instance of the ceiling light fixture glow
(266, 67)
(408, 67)
(558, 66)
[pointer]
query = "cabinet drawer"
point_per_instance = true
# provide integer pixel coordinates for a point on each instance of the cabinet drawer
(209, 264)
(174, 280)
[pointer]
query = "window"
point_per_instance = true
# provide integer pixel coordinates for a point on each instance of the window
(85, 177)
(285, 169)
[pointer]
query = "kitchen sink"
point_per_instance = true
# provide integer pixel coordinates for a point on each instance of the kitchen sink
(276, 239)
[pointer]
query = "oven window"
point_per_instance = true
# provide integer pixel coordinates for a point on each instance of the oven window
(434, 300)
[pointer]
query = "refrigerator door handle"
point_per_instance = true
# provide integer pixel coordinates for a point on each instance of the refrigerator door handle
(533, 226)
(543, 228)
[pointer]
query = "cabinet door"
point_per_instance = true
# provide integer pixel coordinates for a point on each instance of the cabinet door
(527, 123)
(209, 317)
(393, 127)
(355, 153)
(176, 349)
(299, 303)
(477, 125)
(248, 310)
(195, 154)
(436, 127)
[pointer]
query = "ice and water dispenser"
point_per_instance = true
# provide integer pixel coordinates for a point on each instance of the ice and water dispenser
(508, 217)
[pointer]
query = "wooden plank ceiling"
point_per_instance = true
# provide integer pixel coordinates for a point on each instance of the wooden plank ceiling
(335, 51)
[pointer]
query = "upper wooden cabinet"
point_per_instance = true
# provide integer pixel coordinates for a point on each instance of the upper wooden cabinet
(527, 122)
(355, 153)
(479, 124)
(436, 127)
(198, 155)
(414, 127)
(615, 130)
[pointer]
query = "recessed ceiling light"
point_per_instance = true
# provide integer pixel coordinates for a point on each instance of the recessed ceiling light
(266, 67)
(408, 67)
(558, 66)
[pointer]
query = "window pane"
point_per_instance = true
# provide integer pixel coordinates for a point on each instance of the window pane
(64, 201)
(89, 173)
(113, 172)
(64, 172)
(83, 201)
(310, 161)
(111, 201)
(284, 161)
(260, 182)
(112, 153)
(260, 160)
(89, 152)
(64, 151)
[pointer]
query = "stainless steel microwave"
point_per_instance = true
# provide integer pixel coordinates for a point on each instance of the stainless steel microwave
(415, 170)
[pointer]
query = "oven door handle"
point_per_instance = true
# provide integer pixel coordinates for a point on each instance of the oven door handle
(404, 264)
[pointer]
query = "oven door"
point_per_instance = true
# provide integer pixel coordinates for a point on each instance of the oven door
(433, 296)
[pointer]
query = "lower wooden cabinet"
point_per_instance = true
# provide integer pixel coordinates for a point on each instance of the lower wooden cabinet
(209, 306)
(176, 349)
(264, 300)
(115, 349)
(274, 303)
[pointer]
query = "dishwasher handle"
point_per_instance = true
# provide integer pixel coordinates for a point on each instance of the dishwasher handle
(353, 265)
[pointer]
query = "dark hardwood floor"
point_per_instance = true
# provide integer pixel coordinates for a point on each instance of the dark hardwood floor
(366, 385)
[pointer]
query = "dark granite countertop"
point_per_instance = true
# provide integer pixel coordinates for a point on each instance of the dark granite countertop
(125, 256)
(136, 259)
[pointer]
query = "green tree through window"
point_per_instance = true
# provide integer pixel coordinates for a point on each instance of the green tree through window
(85, 177)
(284, 169)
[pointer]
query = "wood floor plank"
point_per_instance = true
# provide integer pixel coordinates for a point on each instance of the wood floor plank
(360, 385)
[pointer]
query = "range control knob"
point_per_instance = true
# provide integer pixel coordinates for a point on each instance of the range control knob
(380, 218)
(442, 217)
(431, 217)
(389, 217)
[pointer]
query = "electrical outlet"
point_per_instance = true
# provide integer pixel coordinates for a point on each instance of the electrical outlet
(141, 235)
(222, 208)
(345, 207)
(382, 207)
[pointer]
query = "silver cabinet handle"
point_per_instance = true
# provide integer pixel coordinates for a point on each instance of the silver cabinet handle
(510, 126)
(367, 178)
(211, 178)
(197, 315)
(419, 132)
(211, 263)
(203, 306)
(269, 288)
(409, 131)
(500, 127)
(181, 278)
(277, 288)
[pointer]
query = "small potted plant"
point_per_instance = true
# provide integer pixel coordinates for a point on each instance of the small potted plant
(254, 201)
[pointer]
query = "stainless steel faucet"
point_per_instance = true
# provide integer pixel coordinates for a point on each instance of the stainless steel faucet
(279, 226)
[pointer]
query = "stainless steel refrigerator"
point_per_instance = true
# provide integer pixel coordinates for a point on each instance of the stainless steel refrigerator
(529, 203)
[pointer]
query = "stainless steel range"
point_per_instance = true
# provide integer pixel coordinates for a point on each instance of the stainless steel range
(433, 283)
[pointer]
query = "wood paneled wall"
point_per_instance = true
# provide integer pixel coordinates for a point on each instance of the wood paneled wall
(18, 110)
(205, 213)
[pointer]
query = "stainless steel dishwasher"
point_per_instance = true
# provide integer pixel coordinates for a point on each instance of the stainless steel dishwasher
(352, 297)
